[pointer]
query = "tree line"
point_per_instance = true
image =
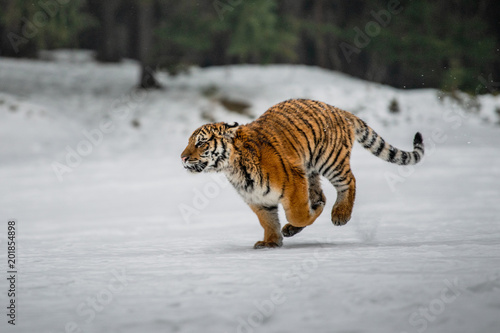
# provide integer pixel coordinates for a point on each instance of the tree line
(404, 43)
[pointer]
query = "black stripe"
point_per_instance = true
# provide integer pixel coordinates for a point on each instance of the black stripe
(270, 145)
(334, 136)
(304, 111)
(269, 208)
(318, 111)
(298, 129)
(392, 154)
(326, 161)
(336, 172)
(248, 146)
(333, 163)
(276, 127)
(249, 182)
(285, 131)
(218, 160)
(311, 129)
(350, 133)
(342, 121)
(215, 146)
(319, 154)
(351, 179)
(343, 172)
(307, 109)
(405, 157)
(380, 148)
(340, 180)
(268, 187)
(282, 191)
(416, 156)
(344, 184)
(222, 155)
(365, 135)
(372, 141)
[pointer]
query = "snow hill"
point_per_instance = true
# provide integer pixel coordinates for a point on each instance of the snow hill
(114, 236)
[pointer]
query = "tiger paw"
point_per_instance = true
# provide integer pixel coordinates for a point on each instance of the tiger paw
(263, 245)
(317, 198)
(318, 204)
(289, 230)
(340, 217)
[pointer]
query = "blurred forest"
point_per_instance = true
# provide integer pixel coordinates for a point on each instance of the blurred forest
(407, 44)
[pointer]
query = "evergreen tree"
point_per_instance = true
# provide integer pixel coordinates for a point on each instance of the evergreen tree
(258, 34)
(28, 26)
(448, 44)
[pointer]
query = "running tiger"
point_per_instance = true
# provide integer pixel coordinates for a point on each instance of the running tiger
(279, 158)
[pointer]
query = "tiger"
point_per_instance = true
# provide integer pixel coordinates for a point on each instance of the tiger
(279, 159)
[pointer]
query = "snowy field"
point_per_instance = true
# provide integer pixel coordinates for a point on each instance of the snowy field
(114, 236)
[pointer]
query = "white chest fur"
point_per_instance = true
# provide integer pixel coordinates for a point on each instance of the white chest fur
(256, 194)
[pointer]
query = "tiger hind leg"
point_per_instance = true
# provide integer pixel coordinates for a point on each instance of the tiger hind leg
(316, 200)
(345, 184)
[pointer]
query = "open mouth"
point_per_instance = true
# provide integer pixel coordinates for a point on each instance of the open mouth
(198, 167)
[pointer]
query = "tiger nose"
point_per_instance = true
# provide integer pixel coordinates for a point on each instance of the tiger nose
(184, 158)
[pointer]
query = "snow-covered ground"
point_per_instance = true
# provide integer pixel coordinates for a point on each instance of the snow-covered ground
(114, 236)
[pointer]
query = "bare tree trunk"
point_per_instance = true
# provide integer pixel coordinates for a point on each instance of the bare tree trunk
(321, 52)
(145, 18)
(335, 15)
(296, 10)
(109, 50)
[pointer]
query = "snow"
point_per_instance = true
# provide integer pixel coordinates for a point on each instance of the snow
(128, 241)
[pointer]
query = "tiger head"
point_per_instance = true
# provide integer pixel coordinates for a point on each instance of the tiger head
(208, 148)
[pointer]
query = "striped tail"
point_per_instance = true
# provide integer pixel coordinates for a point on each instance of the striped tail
(373, 142)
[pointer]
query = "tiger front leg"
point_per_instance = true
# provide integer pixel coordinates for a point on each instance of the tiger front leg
(268, 218)
(316, 196)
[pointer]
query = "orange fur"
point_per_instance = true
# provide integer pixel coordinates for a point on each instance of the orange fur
(279, 158)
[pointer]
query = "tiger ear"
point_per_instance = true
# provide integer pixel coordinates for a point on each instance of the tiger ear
(230, 129)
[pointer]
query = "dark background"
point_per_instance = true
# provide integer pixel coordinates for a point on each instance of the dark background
(407, 44)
